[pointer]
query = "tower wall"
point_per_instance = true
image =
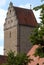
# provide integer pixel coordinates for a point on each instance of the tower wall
(25, 32)
(10, 31)
(10, 40)
(17, 31)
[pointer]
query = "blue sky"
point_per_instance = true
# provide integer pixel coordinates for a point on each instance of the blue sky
(3, 9)
(4, 3)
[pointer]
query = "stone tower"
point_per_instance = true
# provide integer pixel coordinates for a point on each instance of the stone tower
(18, 26)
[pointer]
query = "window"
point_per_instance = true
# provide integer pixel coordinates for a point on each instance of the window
(10, 34)
(10, 11)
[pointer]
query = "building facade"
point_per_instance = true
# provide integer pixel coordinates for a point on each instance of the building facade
(18, 26)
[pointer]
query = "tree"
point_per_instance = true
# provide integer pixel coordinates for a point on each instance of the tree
(38, 35)
(10, 58)
(19, 59)
(22, 59)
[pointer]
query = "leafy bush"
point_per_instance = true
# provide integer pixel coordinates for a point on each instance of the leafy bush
(39, 52)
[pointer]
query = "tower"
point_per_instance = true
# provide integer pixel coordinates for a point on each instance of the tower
(10, 30)
(18, 26)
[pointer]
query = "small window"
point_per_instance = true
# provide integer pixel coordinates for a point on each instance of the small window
(10, 35)
(10, 11)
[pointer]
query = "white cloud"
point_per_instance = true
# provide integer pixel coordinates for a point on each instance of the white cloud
(2, 16)
(1, 50)
(2, 20)
(26, 6)
(2, 2)
(36, 13)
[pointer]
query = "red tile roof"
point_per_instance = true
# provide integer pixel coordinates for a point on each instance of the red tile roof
(36, 59)
(2, 59)
(25, 16)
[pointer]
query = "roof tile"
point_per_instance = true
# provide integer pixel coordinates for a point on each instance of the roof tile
(25, 16)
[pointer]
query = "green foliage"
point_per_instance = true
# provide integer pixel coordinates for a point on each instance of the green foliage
(38, 35)
(3, 64)
(39, 52)
(42, 12)
(34, 36)
(10, 58)
(22, 59)
(19, 59)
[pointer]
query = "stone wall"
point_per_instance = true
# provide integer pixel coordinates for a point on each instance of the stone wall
(10, 40)
(25, 44)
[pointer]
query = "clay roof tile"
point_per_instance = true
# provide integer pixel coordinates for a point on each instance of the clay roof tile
(25, 16)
